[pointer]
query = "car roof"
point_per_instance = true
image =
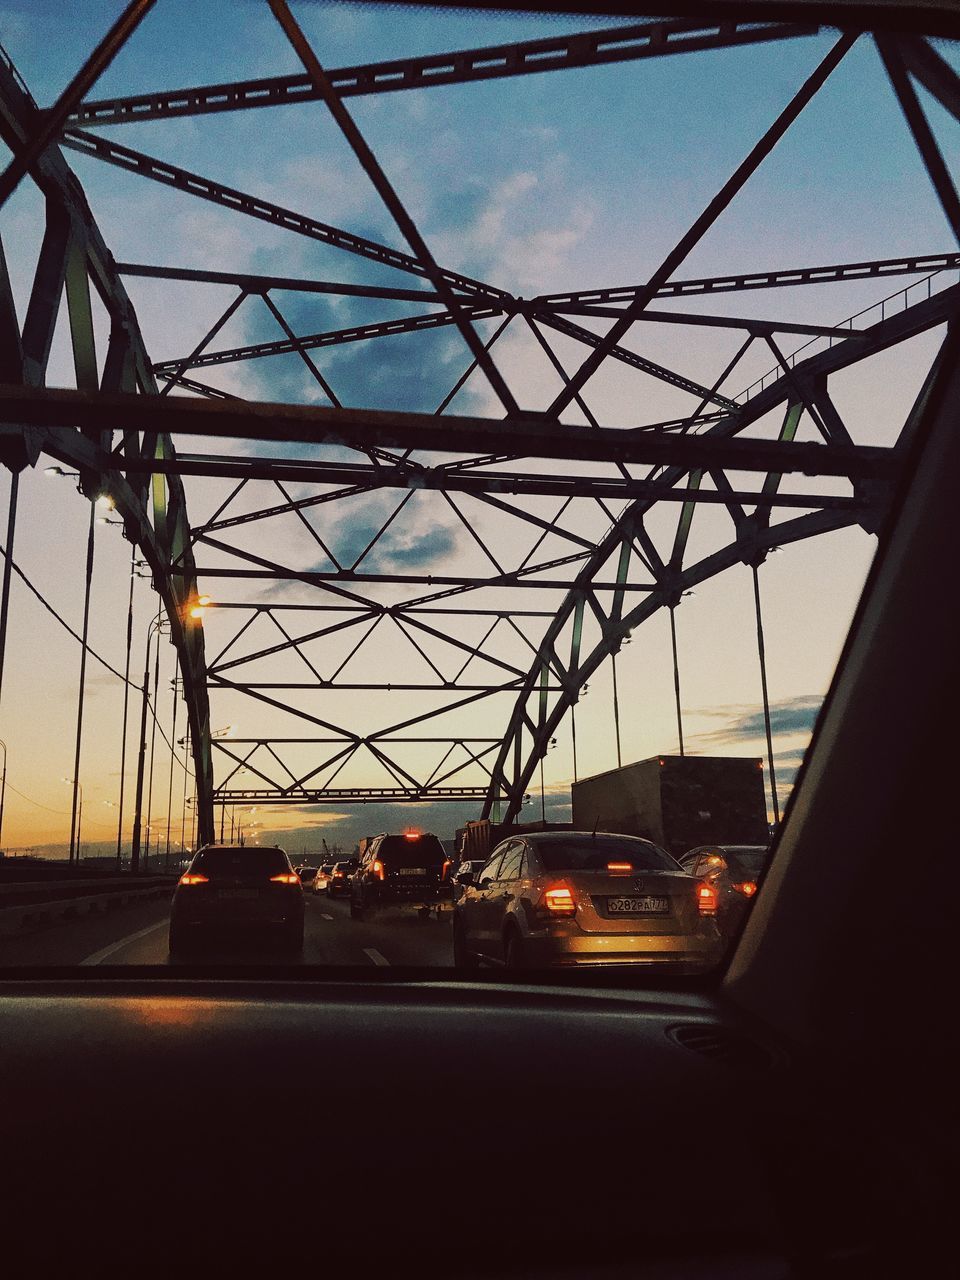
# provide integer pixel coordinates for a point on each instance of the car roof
(544, 837)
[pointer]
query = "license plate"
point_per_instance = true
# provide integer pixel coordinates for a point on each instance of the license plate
(239, 893)
(637, 906)
(413, 871)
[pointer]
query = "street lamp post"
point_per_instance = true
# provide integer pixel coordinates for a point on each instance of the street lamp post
(104, 501)
(543, 797)
(194, 611)
(185, 743)
(153, 753)
(3, 791)
(77, 788)
(126, 704)
(173, 739)
(152, 630)
(7, 566)
(88, 578)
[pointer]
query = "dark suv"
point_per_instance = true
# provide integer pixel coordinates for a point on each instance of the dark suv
(410, 869)
(240, 890)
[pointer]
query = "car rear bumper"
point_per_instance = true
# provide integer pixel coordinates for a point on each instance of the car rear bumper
(237, 915)
(410, 895)
(675, 950)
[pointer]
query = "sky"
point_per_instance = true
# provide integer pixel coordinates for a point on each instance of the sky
(537, 184)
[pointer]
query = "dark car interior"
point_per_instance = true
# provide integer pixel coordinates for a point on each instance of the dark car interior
(791, 1116)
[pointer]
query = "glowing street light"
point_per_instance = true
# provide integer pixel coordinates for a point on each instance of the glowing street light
(199, 607)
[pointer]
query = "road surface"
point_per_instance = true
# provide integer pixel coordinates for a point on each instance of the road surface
(137, 935)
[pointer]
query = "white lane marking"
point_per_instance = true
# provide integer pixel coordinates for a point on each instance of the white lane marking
(325, 916)
(99, 956)
(375, 955)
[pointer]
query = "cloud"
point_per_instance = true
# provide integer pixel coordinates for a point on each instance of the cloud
(788, 717)
(522, 232)
(415, 541)
(416, 549)
(410, 372)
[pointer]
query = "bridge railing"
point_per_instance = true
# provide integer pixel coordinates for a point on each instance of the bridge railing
(902, 300)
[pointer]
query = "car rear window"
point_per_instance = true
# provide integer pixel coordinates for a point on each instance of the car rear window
(750, 860)
(424, 851)
(307, 873)
(592, 853)
(241, 862)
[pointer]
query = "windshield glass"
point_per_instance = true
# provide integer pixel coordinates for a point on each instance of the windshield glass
(519, 482)
(596, 853)
(240, 862)
(425, 851)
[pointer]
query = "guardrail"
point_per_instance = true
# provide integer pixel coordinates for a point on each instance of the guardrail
(33, 912)
(890, 305)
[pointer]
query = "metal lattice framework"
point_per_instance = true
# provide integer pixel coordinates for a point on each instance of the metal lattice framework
(526, 618)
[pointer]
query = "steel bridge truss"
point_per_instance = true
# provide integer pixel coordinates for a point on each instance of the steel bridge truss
(74, 261)
(331, 608)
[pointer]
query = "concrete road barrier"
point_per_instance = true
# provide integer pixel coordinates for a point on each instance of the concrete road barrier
(33, 915)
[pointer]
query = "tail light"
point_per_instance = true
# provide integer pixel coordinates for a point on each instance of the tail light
(187, 878)
(619, 866)
(707, 899)
(559, 902)
(338, 875)
(748, 888)
(445, 868)
(376, 869)
(288, 877)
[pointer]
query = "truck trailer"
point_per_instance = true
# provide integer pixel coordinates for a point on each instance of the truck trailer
(678, 802)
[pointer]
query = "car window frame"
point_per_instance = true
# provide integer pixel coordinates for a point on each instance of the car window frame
(515, 848)
(496, 857)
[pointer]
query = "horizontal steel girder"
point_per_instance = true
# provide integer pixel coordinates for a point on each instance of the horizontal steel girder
(588, 298)
(590, 339)
(360, 428)
(702, 321)
(590, 48)
(349, 795)
(334, 338)
(760, 280)
(196, 184)
(251, 283)
(523, 581)
(369, 476)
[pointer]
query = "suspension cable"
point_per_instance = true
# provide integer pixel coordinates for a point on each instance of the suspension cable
(766, 701)
(676, 677)
(89, 648)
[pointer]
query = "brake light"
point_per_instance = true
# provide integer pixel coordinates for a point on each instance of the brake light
(376, 868)
(288, 877)
(338, 875)
(619, 866)
(187, 878)
(559, 902)
(445, 868)
(707, 899)
(411, 835)
(748, 888)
